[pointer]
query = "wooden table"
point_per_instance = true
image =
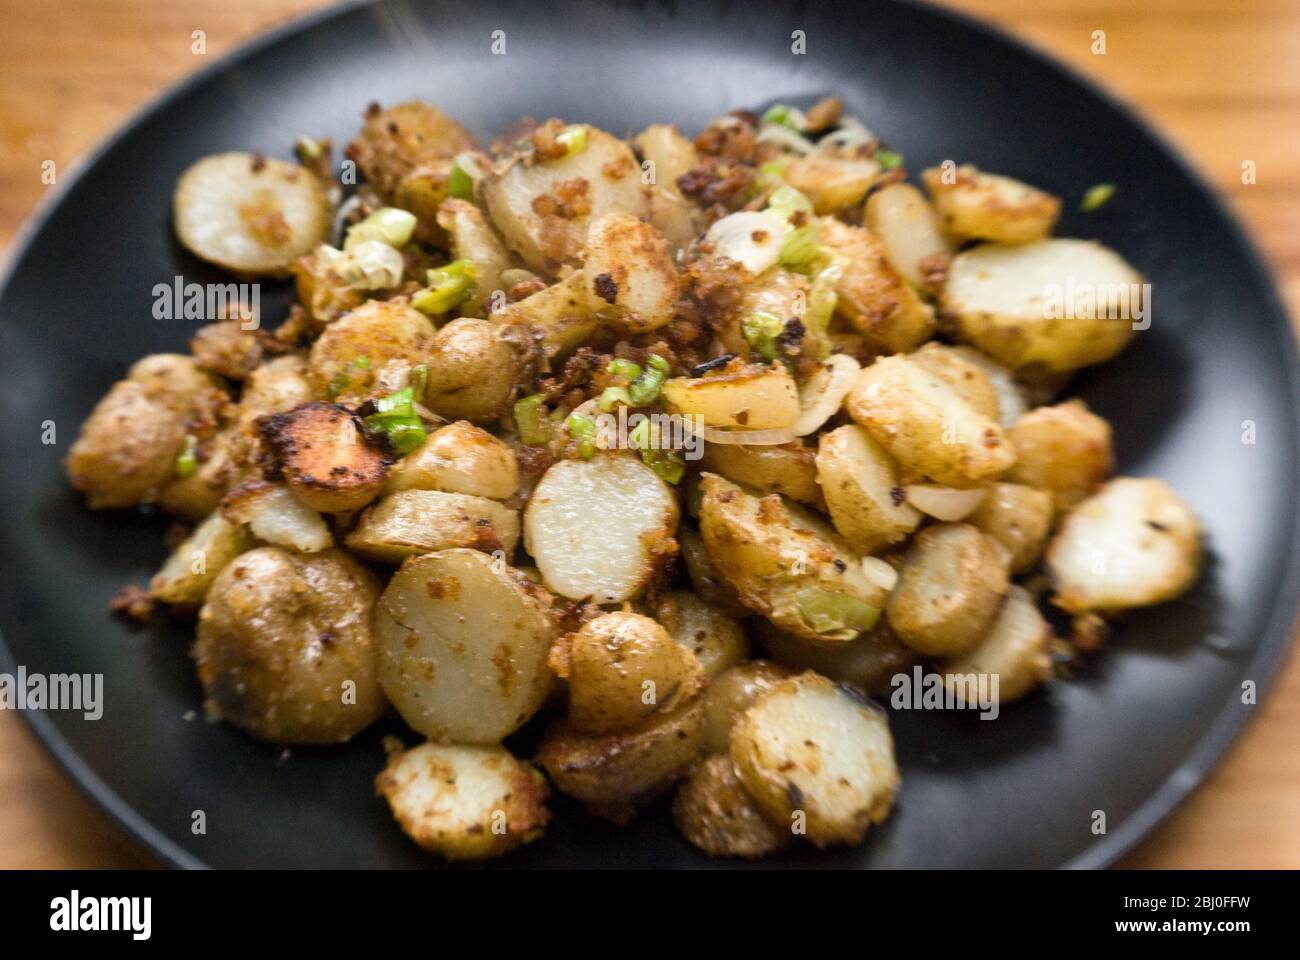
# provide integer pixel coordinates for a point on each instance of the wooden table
(1221, 77)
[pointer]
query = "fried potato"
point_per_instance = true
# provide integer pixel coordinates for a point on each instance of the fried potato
(713, 812)
(396, 142)
(222, 464)
(186, 577)
(462, 646)
(1132, 544)
(411, 522)
(744, 396)
(621, 668)
(326, 456)
(951, 585)
(276, 386)
(1019, 518)
(370, 352)
(1014, 650)
(275, 516)
(988, 206)
(969, 380)
(285, 650)
(562, 315)
(708, 584)
(472, 371)
(599, 528)
(226, 349)
(927, 425)
(831, 183)
(458, 458)
(1064, 450)
(473, 239)
(859, 480)
(464, 803)
(670, 155)
(817, 755)
(789, 469)
(1051, 306)
(869, 663)
(629, 272)
(716, 638)
(1012, 402)
(908, 228)
(822, 393)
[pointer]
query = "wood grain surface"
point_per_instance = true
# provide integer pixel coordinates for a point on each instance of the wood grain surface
(1221, 78)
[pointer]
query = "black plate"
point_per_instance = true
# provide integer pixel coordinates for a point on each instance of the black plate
(1130, 736)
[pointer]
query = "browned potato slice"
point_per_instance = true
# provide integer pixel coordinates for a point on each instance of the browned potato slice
(178, 381)
(708, 584)
(393, 143)
(870, 662)
(1012, 402)
(599, 528)
(988, 206)
(859, 480)
(621, 668)
(730, 694)
(778, 291)
(543, 207)
(459, 458)
(250, 214)
(951, 585)
(1050, 306)
(472, 371)
(464, 803)
(713, 811)
(927, 425)
(285, 650)
(908, 228)
(968, 379)
(789, 469)
(716, 638)
(225, 348)
(463, 641)
(832, 183)
(787, 564)
(1064, 450)
(743, 396)
(322, 290)
(370, 352)
(325, 456)
(872, 297)
(671, 155)
(629, 272)
(274, 387)
(1014, 650)
(1019, 518)
(473, 239)
(562, 315)
(275, 516)
(818, 756)
(1133, 544)
(411, 522)
(222, 465)
(616, 773)
(187, 575)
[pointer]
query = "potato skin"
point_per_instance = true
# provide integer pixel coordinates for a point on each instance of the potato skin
(326, 456)
(412, 522)
(459, 458)
(618, 661)
(989, 206)
(280, 637)
(713, 812)
(708, 584)
(869, 662)
(1019, 518)
(393, 143)
(393, 339)
(472, 371)
(860, 482)
(216, 542)
(832, 183)
(1014, 650)
(731, 693)
(473, 239)
(1065, 450)
(949, 590)
(716, 638)
(789, 469)
(630, 274)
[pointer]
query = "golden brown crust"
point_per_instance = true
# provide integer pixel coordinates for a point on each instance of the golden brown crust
(715, 813)
(326, 456)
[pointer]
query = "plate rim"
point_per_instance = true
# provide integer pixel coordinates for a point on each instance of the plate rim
(1276, 638)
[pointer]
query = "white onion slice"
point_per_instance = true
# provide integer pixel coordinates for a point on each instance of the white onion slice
(752, 238)
(944, 503)
(822, 393)
(783, 136)
(751, 438)
(880, 573)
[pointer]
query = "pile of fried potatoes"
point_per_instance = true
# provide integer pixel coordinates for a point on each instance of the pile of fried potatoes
(398, 500)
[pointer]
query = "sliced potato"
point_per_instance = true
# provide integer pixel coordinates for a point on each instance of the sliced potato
(927, 425)
(1133, 544)
(715, 813)
(1014, 650)
(1054, 305)
(1064, 450)
(988, 206)
(832, 183)
(598, 528)
(326, 456)
(1012, 402)
(778, 291)
(276, 386)
(787, 564)
(949, 590)
(822, 393)
(716, 638)
(249, 213)
(730, 694)
(472, 371)
(748, 397)
(473, 239)
(707, 583)
(463, 641)
(869, 663)
(464, 803)
(543, 207)
(789, 469)
(562, 315)
(223, 463)
(621, 668)
(459, 458)
(187, 575)
(811, 751)
(369, 352)
(860, 481)
(670, 155)
(1019, 518)
(908, 227)
(411, 522)
(629, 272)
(274, 515)
(969, 380)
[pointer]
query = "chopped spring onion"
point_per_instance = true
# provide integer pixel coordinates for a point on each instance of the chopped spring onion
(459, 183)
(645, 389)
(786, 116)
(835, 615)
(396, 419)
(611, 397)
(1096, 197)
(574, 139)
(419, 379)
(533, 420)
(801, 250)
(621, 367)
(582, 429)
(761, 330)
(786, 201)
(449, 286)
(388, 225)
(888, 159)
(187, 461)
(666, 464)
